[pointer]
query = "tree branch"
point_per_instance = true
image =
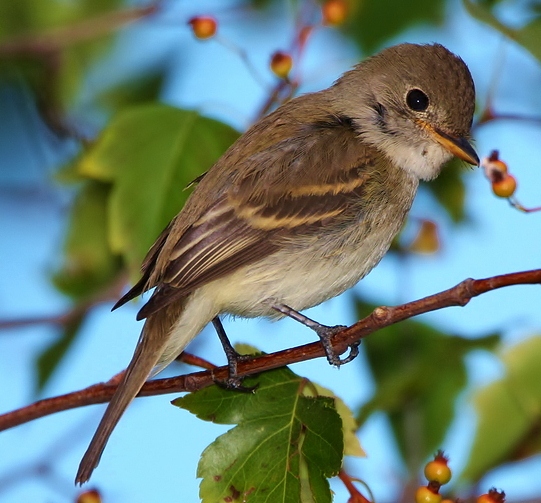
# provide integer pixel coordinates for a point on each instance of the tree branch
(381, 317)
(56, 39)
(110, 293)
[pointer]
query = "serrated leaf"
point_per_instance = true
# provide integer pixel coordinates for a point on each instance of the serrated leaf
(150, 153)
(372, 22)
(283, 448)
(352, 446)
(88, 263)
(419, 372)
(509, 412)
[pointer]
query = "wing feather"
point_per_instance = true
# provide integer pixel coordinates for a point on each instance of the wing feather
(295, 187)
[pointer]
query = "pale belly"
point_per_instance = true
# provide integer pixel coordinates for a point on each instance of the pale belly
(305, 271)
(299, 278)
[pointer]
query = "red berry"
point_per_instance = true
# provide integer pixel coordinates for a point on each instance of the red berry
(425, 495)
(203, 26)
(438, 470)
(281, 64)
(505, 187)
(334, 12)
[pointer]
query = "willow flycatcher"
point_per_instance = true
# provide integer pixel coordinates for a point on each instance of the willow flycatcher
(301, 206)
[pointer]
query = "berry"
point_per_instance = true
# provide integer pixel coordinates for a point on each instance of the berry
(499, 165)
(495, 168)
(438, 470)
(493, 496)
(334, 12)
(505, 187)
(281, 64)
(425, 495)
(203, 26)
(91, 496)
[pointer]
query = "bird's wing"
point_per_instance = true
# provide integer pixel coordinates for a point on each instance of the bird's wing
(293, 186)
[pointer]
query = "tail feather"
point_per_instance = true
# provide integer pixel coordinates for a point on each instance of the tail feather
(150, 347)
(165, 335)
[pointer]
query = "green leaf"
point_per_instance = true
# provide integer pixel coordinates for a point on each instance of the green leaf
(49, 359)
(287, 441)
(261, 4)
(419, 372)
(529, 36)
(142, 89)
(509, 412)
(372, 22)
(352, 446)
(150, 153)
(24, 17)
(89, 264)
(76, 33)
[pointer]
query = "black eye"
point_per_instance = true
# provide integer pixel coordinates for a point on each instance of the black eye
(417, 100)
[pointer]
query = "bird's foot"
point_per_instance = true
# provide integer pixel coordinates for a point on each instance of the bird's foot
(233, 381)
(324, 333)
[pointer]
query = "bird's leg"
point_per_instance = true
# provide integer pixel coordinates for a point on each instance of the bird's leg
(233, 358)
(324, 332)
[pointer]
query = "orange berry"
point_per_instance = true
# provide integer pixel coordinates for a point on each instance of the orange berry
(495, 168)
(281, 64)
(499, 165)
(334, 12)
(203, 26)
(438, 471)
(91, 496)
(493, 496)
(425, 495)
(505, 187)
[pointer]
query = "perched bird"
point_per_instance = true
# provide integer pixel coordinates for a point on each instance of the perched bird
(300, 208)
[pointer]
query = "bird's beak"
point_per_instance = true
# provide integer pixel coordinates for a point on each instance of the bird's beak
(459, 147)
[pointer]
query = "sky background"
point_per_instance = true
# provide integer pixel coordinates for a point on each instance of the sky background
(153, 453)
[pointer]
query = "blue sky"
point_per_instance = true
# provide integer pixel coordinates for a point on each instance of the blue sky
(153, 454)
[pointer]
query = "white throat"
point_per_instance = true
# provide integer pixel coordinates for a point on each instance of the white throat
(405, 144)
(422, 159)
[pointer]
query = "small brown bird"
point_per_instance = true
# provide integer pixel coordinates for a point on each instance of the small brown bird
(300, 208)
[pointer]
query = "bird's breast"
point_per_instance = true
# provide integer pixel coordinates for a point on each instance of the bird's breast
(312, 268)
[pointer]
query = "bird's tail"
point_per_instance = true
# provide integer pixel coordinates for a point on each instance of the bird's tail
(150, 348)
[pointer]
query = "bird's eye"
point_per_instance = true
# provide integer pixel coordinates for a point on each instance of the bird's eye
(417, 100)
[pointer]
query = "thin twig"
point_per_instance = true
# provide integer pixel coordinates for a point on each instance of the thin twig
(490, 115)
(76, 312)
(381, 317)
(355, 495)
(62, 37)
